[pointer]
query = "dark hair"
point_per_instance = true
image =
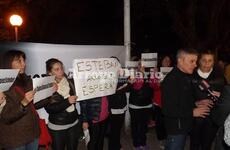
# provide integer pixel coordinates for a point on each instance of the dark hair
(115, 58)
(207, 52)
(9, 57)
(50, 63)
(186, 51)
(162, 57)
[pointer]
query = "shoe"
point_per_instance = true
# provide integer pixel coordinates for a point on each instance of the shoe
(162, 144)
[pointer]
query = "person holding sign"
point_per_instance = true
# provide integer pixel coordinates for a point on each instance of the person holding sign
(64, 125)
(94, 116)
(140, 105)
(19, 124)
(117, 107)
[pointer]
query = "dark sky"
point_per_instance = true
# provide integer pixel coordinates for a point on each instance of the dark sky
(156, 25)
(95, 22)
(99, 22)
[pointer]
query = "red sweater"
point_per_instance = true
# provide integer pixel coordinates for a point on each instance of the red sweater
(157, 92)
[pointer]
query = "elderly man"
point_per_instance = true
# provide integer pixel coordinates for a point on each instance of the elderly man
(177, 100)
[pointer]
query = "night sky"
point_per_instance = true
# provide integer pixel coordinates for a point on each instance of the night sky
(101, 22)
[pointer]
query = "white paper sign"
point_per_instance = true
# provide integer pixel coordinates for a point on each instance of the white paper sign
(149, 56)
(43, 87)
(149, 60)
(86, 136)
(95, 77)
(131, 64)
(165, 71)
(7, 78)
(149, 64)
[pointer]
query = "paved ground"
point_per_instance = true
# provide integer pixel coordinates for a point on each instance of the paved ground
(126, 141)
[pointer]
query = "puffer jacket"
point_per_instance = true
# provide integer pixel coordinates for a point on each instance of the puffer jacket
(91, 109)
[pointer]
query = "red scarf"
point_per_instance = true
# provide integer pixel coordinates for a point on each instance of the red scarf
(22, 93)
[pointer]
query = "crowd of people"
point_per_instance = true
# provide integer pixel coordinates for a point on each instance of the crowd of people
(193, 101)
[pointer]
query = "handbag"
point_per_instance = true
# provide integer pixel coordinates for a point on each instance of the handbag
(45, 138)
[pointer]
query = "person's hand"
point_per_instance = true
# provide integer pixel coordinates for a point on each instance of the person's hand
(85, 125)
(72, 99)
(131, 80)
(55, 87)
(2, 97)
(205, 103)
(201, 112)
(215, 93)
(29, 96)
(142, 69)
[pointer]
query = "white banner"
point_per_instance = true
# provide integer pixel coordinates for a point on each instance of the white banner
(95, 77)
(43, 87)
(149, 60)
(7, 78)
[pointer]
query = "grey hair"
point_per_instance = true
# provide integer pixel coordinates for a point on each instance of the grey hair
(186, 51)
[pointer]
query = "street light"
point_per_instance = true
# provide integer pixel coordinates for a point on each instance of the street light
(16, 21)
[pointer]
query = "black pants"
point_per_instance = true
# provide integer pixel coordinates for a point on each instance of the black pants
(219, 141)
(203, 134)
(160, 126)
(66, 139)
(97, 133)
(115, 124)
(139, 125)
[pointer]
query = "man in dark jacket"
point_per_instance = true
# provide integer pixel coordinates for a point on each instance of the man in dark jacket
(178, 102)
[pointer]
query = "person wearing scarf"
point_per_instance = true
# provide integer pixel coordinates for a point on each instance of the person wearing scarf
(64, 125)
(204, 130)
(140, 108)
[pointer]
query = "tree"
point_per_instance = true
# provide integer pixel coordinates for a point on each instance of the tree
(201, 23)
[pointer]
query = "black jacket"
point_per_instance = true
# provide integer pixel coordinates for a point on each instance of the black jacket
(222, 107)
(90, 109)
(141, 97)
(56, 107)
(119, 100)
(215, 79)
(177, 102)
(219, 113)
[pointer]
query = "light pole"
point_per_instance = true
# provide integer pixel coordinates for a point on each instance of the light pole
(16, 21)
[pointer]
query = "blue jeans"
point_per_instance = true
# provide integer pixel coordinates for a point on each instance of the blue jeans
(175, 142)
(31, 146)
